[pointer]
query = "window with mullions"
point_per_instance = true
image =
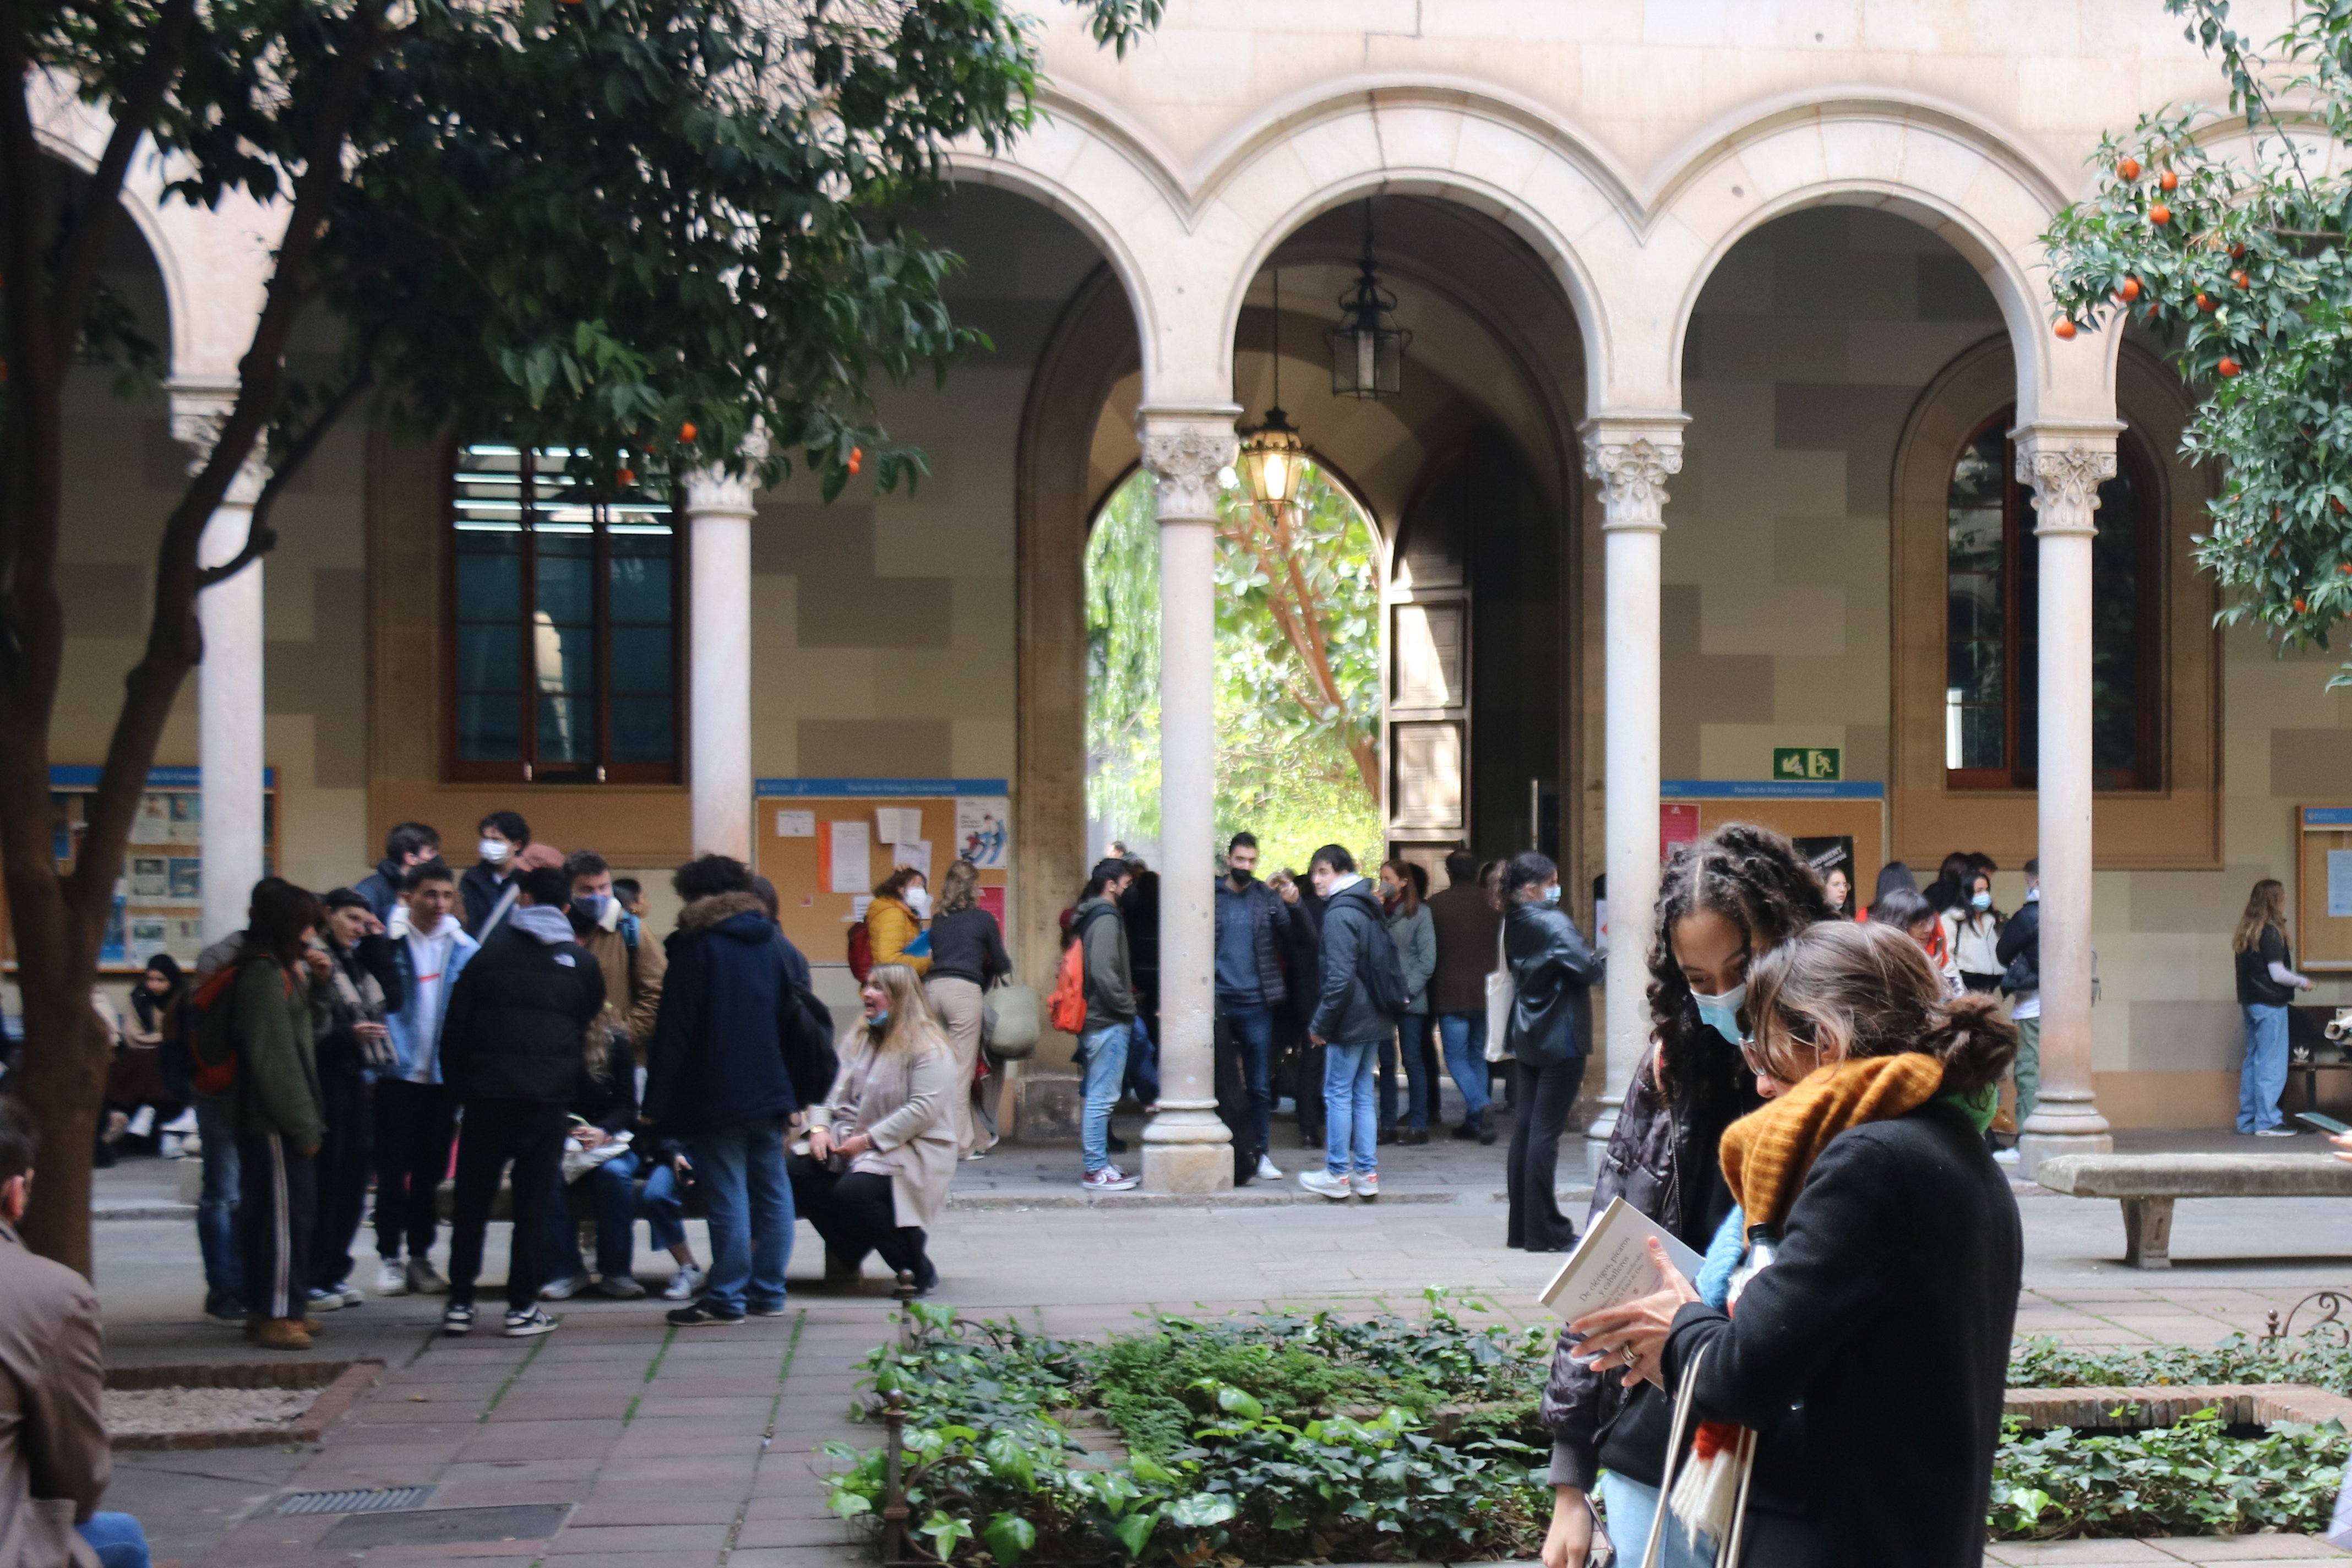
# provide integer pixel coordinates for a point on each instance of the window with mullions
(563, 625)
(1992, 598)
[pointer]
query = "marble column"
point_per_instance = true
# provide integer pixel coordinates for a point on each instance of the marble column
(2065, 465)
(718, 510)
(231, 724)
(1186, 1149)
(1631, 458)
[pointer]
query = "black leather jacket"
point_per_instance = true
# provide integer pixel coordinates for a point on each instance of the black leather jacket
(1552, 972)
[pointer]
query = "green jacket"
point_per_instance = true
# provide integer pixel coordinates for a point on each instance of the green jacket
(277, 1064)
(1110, 978)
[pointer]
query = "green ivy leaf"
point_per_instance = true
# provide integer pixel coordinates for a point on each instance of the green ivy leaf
(1010, 1537)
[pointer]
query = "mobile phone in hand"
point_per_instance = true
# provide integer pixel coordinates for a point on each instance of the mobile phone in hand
(2312, 1119)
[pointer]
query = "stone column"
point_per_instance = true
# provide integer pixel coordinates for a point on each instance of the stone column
(1186, 1149)
(1631, 458)
(718, 511)
(2065, 464)
(230, 718)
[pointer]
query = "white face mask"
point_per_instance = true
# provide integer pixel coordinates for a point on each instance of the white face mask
(920, 901)
(495, 851)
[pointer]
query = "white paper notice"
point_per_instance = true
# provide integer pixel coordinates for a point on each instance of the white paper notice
(914, 852)
(2339, 883)
(985, 830)
(795, 824)
(853, 870)
(1610, 1266)
(897, 823)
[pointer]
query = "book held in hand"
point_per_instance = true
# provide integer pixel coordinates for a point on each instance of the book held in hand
(1612, 1266)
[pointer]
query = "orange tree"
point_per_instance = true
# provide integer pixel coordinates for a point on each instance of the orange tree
(632, 228)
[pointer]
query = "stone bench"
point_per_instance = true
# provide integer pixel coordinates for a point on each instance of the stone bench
(2148, 1185)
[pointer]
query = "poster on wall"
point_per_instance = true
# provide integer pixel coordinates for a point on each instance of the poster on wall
(849, 867)
(1827, 857)
(985, 830)
(2339, 884)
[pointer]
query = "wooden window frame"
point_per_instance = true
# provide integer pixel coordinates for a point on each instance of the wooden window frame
(527, 770)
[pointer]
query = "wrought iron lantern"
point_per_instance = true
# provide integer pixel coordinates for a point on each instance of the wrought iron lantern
(1274, 454)
(1368, 346)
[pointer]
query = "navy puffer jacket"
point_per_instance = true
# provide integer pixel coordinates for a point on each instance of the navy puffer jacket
(716, 1056)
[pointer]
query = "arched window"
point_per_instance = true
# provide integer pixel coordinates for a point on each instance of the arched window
(1992, 612)
(562, 631)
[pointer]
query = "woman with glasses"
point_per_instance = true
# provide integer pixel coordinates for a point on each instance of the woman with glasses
(1724, 901)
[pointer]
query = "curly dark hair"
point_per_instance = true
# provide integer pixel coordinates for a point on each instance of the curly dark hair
(1755, 878)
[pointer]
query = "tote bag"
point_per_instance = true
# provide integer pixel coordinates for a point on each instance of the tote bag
(1500, 994)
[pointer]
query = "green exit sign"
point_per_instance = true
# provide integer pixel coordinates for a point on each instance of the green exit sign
(1808, 763)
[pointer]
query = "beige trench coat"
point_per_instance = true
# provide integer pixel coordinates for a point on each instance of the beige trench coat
(902, 1102)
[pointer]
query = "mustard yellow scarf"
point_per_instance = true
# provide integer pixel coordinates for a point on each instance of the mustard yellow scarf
(1767, 1154)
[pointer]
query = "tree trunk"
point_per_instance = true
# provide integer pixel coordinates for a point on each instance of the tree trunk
(63, 1089)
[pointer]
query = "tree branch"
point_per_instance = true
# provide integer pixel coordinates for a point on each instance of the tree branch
(259, 538)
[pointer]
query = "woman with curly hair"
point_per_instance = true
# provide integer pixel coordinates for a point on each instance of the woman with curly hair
(1724, 901)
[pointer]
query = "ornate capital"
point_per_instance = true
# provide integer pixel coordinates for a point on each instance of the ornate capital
(714, 492)
(1184, 457)
(2065, 470)
(197, 415)
(1632, 462)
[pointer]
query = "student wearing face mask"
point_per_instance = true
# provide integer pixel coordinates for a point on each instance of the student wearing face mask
(1976, 934)
(1724, 902)
(894, 921)
(415, 1114)
(1552, 972)
(1415, 935)
(489, 886)
(633, 965)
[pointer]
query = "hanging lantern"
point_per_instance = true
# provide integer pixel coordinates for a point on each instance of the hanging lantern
(1273, 462)
(1368, 346)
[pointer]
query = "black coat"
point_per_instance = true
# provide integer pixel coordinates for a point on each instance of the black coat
(1888, 1313)
(1552, 972)
(518, 1017)
(2020, 948)
(1272, 920)
(608, 1098)
(1344, 1013)
(717, 1058)
(480, 891)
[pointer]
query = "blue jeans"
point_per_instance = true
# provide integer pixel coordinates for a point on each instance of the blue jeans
(1465, 1035)
(1106, 1067)
(1349, 1124)
(216, 1205)
(2264, 1077)
(664, 1208)
(742, 1172)
(612, 1191)
(1413, 1029)
(1143, 1076)
(1253, 1029)
(1631, 1509)
(118, 1539)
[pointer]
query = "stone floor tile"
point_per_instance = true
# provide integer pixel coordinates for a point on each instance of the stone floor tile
(827, 1531)
(683, 1539)
(2248, 1549)
(2079, 1554)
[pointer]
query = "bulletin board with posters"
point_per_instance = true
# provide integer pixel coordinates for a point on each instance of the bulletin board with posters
(158, 899)
(1835, 825)
(2323, 925)
(826, 842)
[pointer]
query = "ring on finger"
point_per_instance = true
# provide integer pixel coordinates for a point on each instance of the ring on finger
(1627, 1351)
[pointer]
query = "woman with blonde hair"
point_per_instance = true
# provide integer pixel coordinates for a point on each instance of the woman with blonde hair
(882, 1147)
(1874, 1254)
(2266, 984)
(967, 957)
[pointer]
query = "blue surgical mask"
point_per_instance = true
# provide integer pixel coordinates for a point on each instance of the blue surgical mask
(877, 1023)
(1982, 902)
(1721, 1014)
(1551, 894)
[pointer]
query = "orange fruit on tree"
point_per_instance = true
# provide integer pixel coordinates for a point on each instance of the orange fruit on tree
(2298, 604)
(2169, 180)
(2237, 252)
(856, 458)
(2204, 301)
(2227, 368)
(2065, 329)
(2130, 291)
(2242, 280)
(2159, 214)
(2128, 169)
(685, 432)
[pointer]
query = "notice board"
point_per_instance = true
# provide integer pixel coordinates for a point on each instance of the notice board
(826, 842)
(1829, 821)
(159, 899)
(2323, 925)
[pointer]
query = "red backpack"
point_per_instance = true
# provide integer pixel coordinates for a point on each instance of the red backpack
(861, 952)
(1066, 1009)
(212, 1041)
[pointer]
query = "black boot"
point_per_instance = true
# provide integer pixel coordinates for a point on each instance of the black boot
(1487, 1125)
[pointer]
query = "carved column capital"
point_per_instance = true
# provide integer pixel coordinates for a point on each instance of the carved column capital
(1633, 460)
(2065, 466)
(712, 491)
(1184, 453)
(197, 415)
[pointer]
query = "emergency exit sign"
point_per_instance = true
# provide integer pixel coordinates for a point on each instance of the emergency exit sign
(1808, 763)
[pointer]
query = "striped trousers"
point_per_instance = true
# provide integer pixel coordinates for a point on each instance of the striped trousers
(277, 1209)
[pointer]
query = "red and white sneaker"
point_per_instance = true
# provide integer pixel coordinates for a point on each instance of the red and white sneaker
(1109, 1179)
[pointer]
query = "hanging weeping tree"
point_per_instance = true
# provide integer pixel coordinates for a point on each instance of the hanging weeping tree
(2237, 250)
(627, 227)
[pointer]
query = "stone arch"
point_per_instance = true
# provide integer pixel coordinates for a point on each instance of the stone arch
(1954, 177)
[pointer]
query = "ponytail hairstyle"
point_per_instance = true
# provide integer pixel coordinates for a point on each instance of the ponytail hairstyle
(1869, 991)
(1753, 877)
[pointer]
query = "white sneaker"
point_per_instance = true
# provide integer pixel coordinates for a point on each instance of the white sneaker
(2277, 1132)
(184, 1123)
(1268, 1171)
(143, 1121)
(390, 1279)
(325, 1301)
(1324, 1184)
(1109, 1179)
(564, 1290)
(1368, 1185)
(2004, 1156)
(172, 1148)
(424, 1280)
(530, 1320)
(685, 1285)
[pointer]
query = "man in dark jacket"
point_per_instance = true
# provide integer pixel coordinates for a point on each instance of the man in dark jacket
(511, 1048)
(489, 886)
(715, 1073)
(2019, 949)
(409, 844)
(1254, 924)
(1348, 1024)
(1110, 1018)
(1469, 936)
(367, 989)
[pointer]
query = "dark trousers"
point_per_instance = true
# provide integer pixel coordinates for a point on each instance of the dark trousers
(414, 1125)
(495, 1132)
(277, 1209)
(1547, 1097)
(342, 1163)
(1308, 1096)
(855, 1212)
(1250, 1024)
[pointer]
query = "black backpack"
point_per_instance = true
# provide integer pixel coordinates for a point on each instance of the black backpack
(1382, 972)
(804, 1027)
